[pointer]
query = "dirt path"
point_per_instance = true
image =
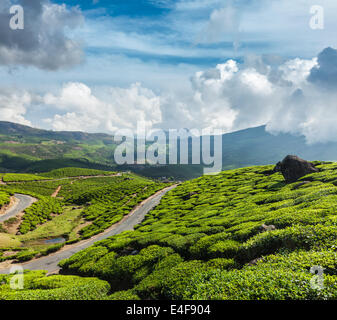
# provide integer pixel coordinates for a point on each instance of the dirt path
(6, 207)
(54, 195)
(50, 263)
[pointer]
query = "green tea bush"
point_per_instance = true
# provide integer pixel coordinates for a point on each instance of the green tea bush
(19, 177)
(123, 295)
(75, 172)
(277, 277)
(39, 213)
(51, 249)
(25, 255)
(292, 238)
(39, 287)
(4, 198)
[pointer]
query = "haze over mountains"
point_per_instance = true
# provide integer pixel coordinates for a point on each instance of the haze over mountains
(26, 149)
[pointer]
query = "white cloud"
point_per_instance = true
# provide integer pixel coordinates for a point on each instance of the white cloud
(84, 111)
(230, 97)
(44, 42)
(234, 97)
(297, 70)
(266, 26)
(13, 106)
(256, 82)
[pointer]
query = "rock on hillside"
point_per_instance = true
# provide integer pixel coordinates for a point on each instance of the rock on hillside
(293, 168)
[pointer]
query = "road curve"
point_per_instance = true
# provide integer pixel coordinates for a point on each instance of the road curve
(50, 263)
(23, 202)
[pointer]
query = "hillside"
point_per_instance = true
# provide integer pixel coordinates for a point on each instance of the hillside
(242, 234)
(24, 149)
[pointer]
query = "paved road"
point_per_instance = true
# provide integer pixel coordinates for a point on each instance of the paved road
(22, 203)
(50, 263)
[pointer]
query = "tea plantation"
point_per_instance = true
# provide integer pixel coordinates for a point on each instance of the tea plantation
(206, 241)
(83, 207)
(242, 234)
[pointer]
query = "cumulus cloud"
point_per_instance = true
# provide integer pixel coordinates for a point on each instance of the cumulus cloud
(236, 96)
(78, 108)
(279, 94)
(222, 22)
(309, 110)
(227, 97)
(43, 42)
(325, 73)
(13, 106)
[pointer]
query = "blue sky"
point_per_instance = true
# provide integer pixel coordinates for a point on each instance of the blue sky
(164, 61)
(133, 8)
(183, 36)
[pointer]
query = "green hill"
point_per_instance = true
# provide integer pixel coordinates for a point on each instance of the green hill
(242, 234)
(28, 150)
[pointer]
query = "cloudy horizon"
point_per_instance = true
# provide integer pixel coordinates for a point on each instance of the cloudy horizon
(99, 66)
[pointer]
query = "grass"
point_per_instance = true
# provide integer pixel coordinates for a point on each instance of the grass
(33, 242)
(60, 225)
(8, 241)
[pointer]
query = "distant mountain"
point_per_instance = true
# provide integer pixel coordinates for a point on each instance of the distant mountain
(256, 146)
(27, 133)
(26, 149)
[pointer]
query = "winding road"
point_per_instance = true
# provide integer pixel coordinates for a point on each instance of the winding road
(50, 263)
(22, 203)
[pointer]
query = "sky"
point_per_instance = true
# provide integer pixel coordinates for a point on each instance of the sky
(103, 65)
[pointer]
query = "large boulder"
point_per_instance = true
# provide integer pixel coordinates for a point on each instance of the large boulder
(293, 168)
